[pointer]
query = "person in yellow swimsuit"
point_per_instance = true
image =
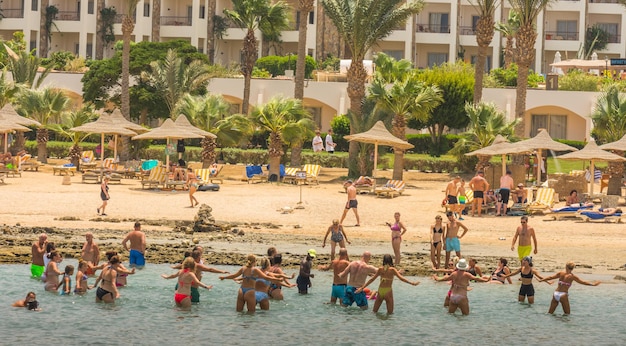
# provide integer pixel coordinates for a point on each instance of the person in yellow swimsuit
(525, 233)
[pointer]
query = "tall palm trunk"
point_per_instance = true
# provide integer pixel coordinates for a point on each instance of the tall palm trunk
(398, 127)
(210, 31)
(525, 48)
(75, 153)
(483, 162)
(484, 36)
(275, 152)
(296, 155)
(156, 20)
(305, 7)
(42, 142)
(616, 172)
(356, 91)
(99, 29)
(128, 26)
(208, 151)
(508, 51)
(43, 30)
(249, 56)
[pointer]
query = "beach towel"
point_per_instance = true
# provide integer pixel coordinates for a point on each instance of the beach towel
(594, 215)
(149, 164)
(253, 170)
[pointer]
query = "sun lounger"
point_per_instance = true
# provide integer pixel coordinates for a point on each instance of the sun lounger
(91, 177)
(87, 160)
(595, 216)
(157, 177)
(312, 171)
(255, 174)
(64, 170)
(543, 201)
(290, 175)
(391, 189)
(2, 176)
(568, 212)
(28, 163)
(365, 184)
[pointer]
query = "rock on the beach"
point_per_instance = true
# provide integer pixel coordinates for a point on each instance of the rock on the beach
(204, 221)
(195, 240)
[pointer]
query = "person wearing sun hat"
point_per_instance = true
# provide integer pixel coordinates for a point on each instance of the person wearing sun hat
(304, 277)
(460, 281)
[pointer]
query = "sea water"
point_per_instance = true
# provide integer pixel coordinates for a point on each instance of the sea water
(146, 315)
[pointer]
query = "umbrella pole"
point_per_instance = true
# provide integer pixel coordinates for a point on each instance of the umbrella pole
(167, 154)
(101, 156)
(115, 150)
(592, 181)
(538, 176)
(6, 142)
(375, 160)
(503, 165)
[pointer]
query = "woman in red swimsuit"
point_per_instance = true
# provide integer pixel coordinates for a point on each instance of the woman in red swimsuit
(397, 231)
(186, 277)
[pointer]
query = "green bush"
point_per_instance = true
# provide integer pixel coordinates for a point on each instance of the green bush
(260, 73)
(331, 63)
(576, 144)
(577, 80)
(508, 77)
(424, 145)
(341, 127)
(58, 60)
(276, 65)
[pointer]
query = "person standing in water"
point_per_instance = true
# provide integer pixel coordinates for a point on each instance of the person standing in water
(37, 252)
(566, 279)
(337, 237)
(397, 231)
(137, 248)
(304, 277)
(527, 272)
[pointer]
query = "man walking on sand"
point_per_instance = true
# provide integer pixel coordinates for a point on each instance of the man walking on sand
(358, 270)
(352, 202)
(451, 194)
(38, 250)
(479, 185)
(137, 241)
(90, 253)
(506, 186)
(339, 283)
(525, 234)
(452, 236)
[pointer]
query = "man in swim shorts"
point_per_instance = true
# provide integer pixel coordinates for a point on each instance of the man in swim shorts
(38, 250)
(358, 270)
(137, 249)
(304, 277)
(352, 202)
(339, 283)
(525, 234)
(451, 191)
(479, 185)
(452, 236)
(90, 253)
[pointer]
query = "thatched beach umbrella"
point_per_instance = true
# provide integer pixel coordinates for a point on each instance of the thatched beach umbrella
(183, 122)
(168, 130)
(119, 119)
(379, 135)
(617, 145)
(7, 126)
(8, 113)
(592, 152)
(542, 141)
(500, 146)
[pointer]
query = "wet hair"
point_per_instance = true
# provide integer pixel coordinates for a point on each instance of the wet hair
(387, 261)
(189, 263)
(250, 260)
(265, 263)
(50, 247)
(186, 254)
(114, 259)
(504, 261)
(110, 254)
(52, 254)
(570, 265)
(69, 269)
(81, 263)
(277, 259)
(196, 254)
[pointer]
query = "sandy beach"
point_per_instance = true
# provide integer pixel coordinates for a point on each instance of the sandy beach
(251, 219)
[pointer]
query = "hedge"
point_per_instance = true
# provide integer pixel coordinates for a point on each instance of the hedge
(276, 65)
(423, 143)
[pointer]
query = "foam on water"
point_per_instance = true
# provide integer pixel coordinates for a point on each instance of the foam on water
(146, 314)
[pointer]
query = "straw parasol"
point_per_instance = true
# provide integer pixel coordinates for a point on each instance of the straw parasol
(7, 126)
(168, 130)
(617, 145)
(500, 146)
(104, 125)
(541, 141)
(119, 119)
(592, 152)
(8, 113)
(379, 135)
(183, 122)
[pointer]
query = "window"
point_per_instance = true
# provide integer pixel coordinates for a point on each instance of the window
(439, 22)
(396, 54)
(32, 45)
(556, 125)
(90, 7)
(34, 5)
(612, 29)
(474, 22)
(567, 29)
(297, 20)
(146, 9)
(202, 11)
(487, 62)
(76, 49)
(435, 59)
(89, 54)
(311, 17)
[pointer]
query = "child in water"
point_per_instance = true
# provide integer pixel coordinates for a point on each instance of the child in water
(66, 282)
(30, 302)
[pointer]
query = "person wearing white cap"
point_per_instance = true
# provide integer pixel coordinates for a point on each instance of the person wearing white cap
(304, 277)
(460, 281)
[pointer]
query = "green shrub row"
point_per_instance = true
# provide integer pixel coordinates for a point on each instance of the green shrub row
(276, 65)
(424, 145)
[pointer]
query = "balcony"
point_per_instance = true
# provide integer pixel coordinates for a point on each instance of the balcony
(562, 35)
(13, 13)
(68, 16)
(614, 38)
(435, 28)
(176, 21)
(603, 1)
(467, 30)
(120, 17)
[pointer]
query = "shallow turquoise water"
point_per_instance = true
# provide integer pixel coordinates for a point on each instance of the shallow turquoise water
(146, 314)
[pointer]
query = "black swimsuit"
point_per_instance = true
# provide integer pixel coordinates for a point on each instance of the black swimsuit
(435, 243)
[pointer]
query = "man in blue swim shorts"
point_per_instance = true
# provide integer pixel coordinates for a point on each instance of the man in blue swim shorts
(452, 236)
(358, 270)
(137, 248)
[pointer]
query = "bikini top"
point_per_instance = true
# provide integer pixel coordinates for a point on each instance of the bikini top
(263, 281)
(395, 227)
(245, 277)
(472, 271)
(440, 230)
(181, 283)
(564, 283)
(527, 276)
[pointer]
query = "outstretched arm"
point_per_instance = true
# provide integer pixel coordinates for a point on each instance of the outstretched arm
(551, 277)
(177, 274)
(378, 272)
(232, 276)
(540, 277)
(580, 281)
(403, 279)
(516, 271)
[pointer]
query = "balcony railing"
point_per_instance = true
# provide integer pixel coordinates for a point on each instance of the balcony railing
(120, 17)
(68, 15)
(614, 39)
(436, 28)
(603, 1)
(467, 30)
(562, 35)
(177, 21)
(13, 13)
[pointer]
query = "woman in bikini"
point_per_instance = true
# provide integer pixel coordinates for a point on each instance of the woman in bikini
(250, 274)
(501, 274)
(81, 277)
(460, 283)
(186, 278)
(122, 272)
(561, 295)
(436, 235)
(397, 231)
(337, 236)
(385, 291)
(527, 272)
(192, 184)
(107, 291)
(474, 269)
(52, 272)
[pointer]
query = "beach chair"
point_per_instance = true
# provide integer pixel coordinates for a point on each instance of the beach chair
(604, 181)
(290, 175)
(28, 163)
(91, 177)
(568, 212)
(312, 171)
(87, 160)
(67, 169)
(214, 175)
(110, 164)
(255, 173)
(593, 215)
(157, 177)
(365, 184)
(2, 176)
(464, 200)
(391, 189)
(544, 199)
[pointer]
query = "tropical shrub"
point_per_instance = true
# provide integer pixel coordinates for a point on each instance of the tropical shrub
(577, 80)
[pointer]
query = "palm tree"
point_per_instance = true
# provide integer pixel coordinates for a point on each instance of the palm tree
(389, 69)
(484, 34)
(609, 125)
(128, 25)
(8, 89)
(156, 20)
(361, 24)
(74, 119)
(44, 34)
(508, 29)
(172, 78)
(210, 113)
(45, 106)
(304, 6)
(486, 122)
(525, 39)
(24, 69)
(280, 116)
(250, 15)
(406, 98)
